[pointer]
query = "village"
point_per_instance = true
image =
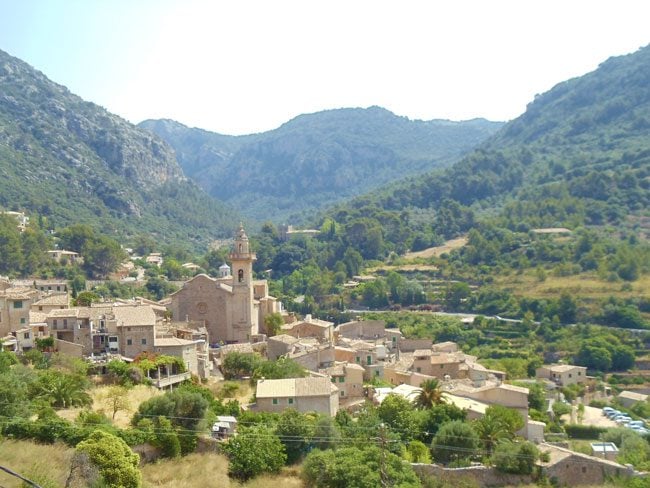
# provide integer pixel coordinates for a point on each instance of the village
(345, 366)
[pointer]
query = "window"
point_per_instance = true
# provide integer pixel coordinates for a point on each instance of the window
(442, 366)
(570, 375)
(26, 335)
(58, 288)
(275, 401)
(65, 323)
(333, 379)
(342, 393)
(376, 372)
(143, 342)
(341, 379)
(290, 401)
(579, 373)
(394, 339)
(129, 342)
(358, 359)
(369, 359)
(418, 370)
(240, 275)
(18, 304)
(584, 469)
(40, 308)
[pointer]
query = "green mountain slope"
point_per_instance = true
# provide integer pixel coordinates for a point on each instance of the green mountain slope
(317, 159)
(580, 154)
(72, 161)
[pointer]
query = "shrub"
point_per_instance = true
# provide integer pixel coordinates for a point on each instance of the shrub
(584, 431)
(518, 458)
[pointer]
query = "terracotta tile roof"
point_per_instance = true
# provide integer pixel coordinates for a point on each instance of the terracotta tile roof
(171, 341)
(56, 299)
(134, 315)
(295, 387)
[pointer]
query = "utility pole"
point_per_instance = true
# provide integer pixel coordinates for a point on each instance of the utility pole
(383, 475)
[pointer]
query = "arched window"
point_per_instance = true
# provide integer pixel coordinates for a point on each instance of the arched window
(240, 275)
(240, 248)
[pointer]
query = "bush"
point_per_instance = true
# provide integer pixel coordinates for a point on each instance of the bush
(518, 458)
(455, 440)
(255, 450)
(584, 431)
(117, 464)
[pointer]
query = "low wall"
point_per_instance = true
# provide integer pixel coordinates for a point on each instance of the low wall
(482, 476)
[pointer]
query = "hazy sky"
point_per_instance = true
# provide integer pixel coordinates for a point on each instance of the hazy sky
(247, 66)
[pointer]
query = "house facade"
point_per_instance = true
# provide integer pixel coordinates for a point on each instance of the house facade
(311, 394)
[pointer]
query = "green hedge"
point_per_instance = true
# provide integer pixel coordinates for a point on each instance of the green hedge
(584, 431)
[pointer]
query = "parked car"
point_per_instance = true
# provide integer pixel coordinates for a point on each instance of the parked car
(606, 410)
(613, 413)
(636, 423)
(622, 419)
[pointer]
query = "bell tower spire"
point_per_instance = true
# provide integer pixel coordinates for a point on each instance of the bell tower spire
(244, 321)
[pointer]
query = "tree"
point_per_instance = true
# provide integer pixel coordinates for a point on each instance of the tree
(357, 468)
(117, 464)
(455, 441)
(294, 431)
(116, 398)
(456, 294)
(273, 323)
(499, 423)
(253, 451)
(518, 458)
(430, 395)
(62, 390)
(238, 364)
(86, 298)
(102, 255)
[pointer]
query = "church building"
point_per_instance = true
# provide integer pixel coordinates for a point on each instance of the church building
(232, 306)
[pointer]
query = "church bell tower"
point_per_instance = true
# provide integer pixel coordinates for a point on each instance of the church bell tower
(244, 318)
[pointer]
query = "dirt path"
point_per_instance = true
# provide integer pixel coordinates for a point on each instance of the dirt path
(438, 250)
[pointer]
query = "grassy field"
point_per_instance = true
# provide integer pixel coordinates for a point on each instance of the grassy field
(137, 395)
(438, 251)
(49, 465)
(587, 285)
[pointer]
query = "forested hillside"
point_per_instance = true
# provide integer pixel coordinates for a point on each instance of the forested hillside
(317, 159)
(72, 161)
(579, 158)
(580, 154)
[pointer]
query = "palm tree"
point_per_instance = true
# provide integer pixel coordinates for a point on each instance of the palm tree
(491, 430)
(430, 394)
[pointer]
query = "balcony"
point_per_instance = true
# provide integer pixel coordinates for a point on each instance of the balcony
(170, 380)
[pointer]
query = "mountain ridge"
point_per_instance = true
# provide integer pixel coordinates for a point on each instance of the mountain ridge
(328, 156)
(73, 161)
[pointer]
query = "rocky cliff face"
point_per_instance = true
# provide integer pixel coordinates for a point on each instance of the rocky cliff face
(72, 160)
(317, 159)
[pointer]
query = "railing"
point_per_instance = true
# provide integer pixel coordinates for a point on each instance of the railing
(171, 379)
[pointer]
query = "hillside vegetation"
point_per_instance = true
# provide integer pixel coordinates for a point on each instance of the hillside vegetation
(72, 161)
(317, 159)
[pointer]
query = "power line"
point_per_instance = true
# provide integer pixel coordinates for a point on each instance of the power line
(13, 473)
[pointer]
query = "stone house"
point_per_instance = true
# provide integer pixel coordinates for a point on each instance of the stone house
(311, 394)
(15, 304)
(53, 301)
(562, 374)
(569, 468)
(370, 330)
(62, 256)
(348, 378)
(181, 348)
(629, 398)
(310, 327)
